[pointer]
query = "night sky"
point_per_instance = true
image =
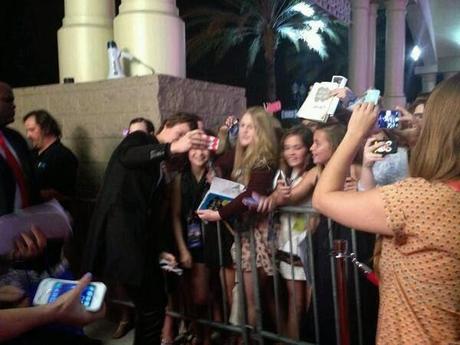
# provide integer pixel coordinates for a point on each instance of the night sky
(28, 38)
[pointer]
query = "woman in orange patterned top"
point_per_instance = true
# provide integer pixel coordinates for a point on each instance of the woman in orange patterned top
(418, 218)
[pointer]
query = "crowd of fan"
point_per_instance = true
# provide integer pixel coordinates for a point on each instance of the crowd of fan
(294, 179)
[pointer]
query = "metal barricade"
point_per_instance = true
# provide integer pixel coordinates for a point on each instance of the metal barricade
(259, 332)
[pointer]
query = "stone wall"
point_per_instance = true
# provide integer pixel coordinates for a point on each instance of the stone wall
(93, 115)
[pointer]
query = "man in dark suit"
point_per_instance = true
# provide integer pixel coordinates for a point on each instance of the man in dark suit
(17, 188)
(124, 241)
(16, 171)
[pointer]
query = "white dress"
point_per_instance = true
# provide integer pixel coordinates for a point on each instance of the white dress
(300, 224)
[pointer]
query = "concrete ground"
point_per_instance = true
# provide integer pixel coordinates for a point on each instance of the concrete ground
(103, 330)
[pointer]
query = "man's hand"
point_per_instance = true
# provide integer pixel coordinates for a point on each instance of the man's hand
(29, 245)
(195, 139)
(67, 309)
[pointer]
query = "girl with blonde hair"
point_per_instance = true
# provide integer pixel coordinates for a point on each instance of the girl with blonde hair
(252, 164)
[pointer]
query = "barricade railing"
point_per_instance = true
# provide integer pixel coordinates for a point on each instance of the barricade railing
(258, 332)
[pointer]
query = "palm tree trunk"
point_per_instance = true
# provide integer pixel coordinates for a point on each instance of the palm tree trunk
(269, 54)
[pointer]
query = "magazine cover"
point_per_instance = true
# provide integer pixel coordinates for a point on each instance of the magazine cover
(318, 105)
(220, 193)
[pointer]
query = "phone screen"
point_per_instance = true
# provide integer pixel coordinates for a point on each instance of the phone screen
(60, 288)
(388, 119)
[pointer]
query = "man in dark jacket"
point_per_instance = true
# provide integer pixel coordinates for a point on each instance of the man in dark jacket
(16, 171)
(55, 164)
(124, 241)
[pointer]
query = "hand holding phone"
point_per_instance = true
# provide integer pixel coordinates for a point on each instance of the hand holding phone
(50, 290)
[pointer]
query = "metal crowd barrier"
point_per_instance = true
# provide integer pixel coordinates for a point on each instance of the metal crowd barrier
(258, 333)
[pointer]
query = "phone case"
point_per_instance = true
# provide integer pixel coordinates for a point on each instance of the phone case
(388, 147)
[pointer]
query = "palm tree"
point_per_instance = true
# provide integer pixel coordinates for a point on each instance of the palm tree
(261, 24)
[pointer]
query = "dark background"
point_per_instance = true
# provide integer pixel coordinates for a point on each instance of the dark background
(28, 56)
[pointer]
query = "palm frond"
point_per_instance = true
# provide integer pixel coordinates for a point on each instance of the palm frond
(254, 50)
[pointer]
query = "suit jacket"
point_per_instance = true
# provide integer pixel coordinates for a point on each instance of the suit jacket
(7, 179)
(122, 241)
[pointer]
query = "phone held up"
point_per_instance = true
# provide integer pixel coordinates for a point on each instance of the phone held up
(50, 289)
(388, 147)
(388, 119)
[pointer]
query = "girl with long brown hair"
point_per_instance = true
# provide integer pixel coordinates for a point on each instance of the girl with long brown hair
(418, 219)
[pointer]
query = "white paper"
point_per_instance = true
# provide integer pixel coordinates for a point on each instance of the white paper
(226, 187)
(50, 218)
(317, 105)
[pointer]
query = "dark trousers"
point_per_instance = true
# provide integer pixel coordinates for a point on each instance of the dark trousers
(150, 303)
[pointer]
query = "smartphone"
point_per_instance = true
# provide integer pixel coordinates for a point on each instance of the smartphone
(372, 96)
(280, 175)
(388, 147)
(50, 289)
(341, 81)
(388, 119)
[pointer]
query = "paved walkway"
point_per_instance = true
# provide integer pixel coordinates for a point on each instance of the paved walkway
(103, 330)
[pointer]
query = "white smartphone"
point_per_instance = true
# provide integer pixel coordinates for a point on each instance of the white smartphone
(50, 289)
(341, 81)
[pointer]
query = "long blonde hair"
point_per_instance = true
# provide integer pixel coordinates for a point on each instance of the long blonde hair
(436, 155)
(262, 151)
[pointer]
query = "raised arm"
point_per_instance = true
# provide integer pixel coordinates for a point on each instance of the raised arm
(358, 210)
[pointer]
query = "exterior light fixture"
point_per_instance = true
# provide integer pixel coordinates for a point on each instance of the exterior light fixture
(415, 53)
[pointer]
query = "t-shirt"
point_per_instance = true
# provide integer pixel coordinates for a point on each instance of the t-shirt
(420, 265)
(56, 168)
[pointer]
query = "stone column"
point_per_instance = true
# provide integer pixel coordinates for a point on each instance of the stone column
(428, 81)
(153, 32)
(447, 75)
(372, 28)
(395, 53)
(358, 57)
(82, 39)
